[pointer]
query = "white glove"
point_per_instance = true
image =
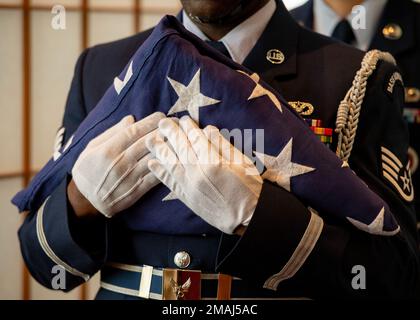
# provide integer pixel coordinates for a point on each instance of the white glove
(208, 174)
(112, 171)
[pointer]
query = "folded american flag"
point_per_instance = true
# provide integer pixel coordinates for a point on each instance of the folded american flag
(170, 69)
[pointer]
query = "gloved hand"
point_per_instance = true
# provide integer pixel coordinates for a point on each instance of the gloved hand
(112, 171)
(207, 173)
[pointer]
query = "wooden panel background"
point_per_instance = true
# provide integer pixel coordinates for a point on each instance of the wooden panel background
(38, 63)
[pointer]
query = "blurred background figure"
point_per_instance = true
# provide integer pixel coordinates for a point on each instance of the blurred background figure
(40, 43)
(387, 25)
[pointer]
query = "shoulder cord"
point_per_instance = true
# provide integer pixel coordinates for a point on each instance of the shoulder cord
(349, 110)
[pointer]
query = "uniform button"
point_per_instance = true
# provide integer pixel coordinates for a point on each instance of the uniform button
(412, 95)
(392, 31)
(182, 259)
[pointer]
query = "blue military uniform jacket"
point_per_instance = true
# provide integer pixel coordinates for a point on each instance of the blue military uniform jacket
(312, 72)
(404, 44)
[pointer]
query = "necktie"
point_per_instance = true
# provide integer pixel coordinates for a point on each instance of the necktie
(344, 32)
(219, 46)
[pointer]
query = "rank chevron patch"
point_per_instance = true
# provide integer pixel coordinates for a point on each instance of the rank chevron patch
(398, 175)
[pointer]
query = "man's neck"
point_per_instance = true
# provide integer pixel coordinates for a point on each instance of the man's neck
(218, 31)
(342, 7)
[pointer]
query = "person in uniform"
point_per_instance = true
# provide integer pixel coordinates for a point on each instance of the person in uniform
(390, 25)
(286, 250)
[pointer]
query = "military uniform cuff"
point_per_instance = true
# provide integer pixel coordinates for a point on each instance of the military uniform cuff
(277, 242)
(55, 236)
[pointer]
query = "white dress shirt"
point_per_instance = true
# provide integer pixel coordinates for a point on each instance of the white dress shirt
(325, 20)
(241, 39)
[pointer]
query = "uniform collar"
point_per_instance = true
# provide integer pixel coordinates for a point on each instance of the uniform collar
(281, 33)
(242, 39)
(402, 13)
(325, 20)
(305, 14)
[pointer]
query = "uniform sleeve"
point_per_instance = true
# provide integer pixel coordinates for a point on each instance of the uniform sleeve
(53, 235)
(291, 249)
(75, 111)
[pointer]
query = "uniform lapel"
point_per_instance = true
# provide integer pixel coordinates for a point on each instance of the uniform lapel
(397, 12)
(281, 34)
(305, 14)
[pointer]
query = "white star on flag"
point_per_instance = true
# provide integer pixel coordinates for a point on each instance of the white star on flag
(190, 97)
(281, 169)
(170, 196)
(376, 226)
(260, 91)
(120, 84)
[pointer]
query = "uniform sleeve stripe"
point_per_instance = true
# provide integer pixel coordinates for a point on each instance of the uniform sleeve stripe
(389, 162)
(390, 171)
(47, 249)
(389, 154)
(301, 253)
(406, 197)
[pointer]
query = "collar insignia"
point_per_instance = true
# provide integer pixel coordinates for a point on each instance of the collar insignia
(275, 56)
